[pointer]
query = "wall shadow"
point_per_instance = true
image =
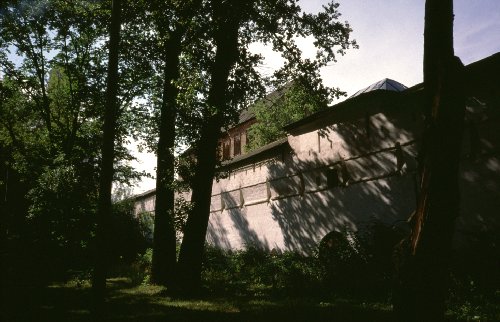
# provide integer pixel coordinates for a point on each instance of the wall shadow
(231, 228)
(357, 172)
(364, 177)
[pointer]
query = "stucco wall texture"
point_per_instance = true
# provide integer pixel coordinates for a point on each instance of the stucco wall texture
(318, 183)
(347, 175)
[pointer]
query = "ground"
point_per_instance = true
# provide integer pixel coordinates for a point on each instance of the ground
(70, 302)
(126, 302)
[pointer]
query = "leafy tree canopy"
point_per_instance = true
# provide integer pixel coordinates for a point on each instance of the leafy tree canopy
(52, 68)
(280, 108)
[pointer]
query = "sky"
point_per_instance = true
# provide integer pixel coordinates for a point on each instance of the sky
(390, 39)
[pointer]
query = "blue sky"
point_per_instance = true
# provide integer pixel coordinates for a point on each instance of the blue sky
(390, 37)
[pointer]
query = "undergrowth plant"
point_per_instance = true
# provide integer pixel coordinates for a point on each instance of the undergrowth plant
(255, 269)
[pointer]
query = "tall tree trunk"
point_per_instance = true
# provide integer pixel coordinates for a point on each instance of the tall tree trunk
(226, 39)
(106, 175)
(164, 241)
(422, 286)
(4, 214)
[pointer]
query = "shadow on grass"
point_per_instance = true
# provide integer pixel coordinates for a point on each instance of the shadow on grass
(71, 302)
(56, 302)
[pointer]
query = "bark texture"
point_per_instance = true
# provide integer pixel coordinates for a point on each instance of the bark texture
(424, 259)
(227, 18)
(106, 174)
(164, 240)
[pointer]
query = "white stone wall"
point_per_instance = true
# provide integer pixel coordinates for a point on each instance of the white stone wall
(145, 204)
(288, 202)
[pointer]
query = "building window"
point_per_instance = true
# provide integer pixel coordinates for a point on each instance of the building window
(226, 149)
(332, 177)
(237, 145)
(247, 141)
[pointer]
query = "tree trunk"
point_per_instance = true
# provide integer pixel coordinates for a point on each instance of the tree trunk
(4, 182)
(422, 281)
(226, 40)
(164, 241)
(190, 257)
(106, 172)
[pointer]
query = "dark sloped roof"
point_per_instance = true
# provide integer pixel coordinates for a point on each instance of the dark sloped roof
(384, 84)
(372, 96)
(145, 194)
(369, 102)
(482, 79)
(248, 113)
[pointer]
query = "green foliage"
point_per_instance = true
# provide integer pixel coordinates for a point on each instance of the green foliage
(288, 105)
(360, 262)
(146, 224)
(350, 268)
(272, 22)
(138, 270)
(60, 220)
(129, 234)
(255, 268)
(141, 272)
(52, 97)
(469, 302)
(474, 291)
(181, 212)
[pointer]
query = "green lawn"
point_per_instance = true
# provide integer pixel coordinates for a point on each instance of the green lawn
(128, 302)
(70, 302)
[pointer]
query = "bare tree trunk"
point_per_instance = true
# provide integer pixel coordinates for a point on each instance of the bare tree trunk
(422, 282)
(226, 39)
(190, 257)
(106, 175)
(4, 214)
(164, 241)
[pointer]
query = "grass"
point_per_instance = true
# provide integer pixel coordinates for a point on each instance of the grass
(126, 302)
(242, 286)
(146, 303)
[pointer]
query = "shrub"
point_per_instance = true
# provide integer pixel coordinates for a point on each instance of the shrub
(475, 280)
(219, 268)
(129, 234)
(347, 263)
(57, 232)
(296, 273)
(359, 263)
(140, 269)
(256, 268)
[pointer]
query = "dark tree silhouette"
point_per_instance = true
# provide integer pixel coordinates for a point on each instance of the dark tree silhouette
(106, 173)
(227, 16)
(164, 257)
(421, 290)
(164, 241)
